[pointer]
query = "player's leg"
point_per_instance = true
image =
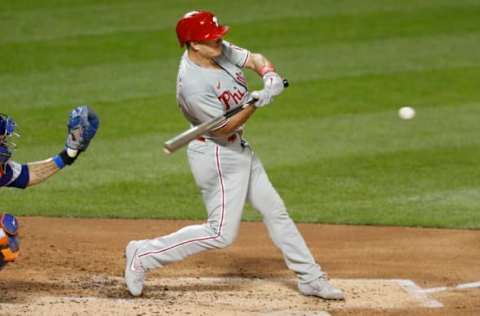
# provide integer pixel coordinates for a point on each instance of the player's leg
(222, 176)
(284, 233)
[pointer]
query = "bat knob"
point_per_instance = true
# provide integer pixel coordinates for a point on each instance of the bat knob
(285, 83)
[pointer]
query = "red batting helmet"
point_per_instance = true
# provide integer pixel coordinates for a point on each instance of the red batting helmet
(199, 26)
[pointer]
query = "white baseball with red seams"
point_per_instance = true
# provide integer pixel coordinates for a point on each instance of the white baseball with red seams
(227, 172)
(406, 113)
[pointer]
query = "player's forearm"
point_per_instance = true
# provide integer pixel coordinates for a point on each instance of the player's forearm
(259, 63)
(40, 171)
(235, 122)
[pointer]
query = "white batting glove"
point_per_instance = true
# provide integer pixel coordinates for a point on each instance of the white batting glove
(263, 98)
(273, 83)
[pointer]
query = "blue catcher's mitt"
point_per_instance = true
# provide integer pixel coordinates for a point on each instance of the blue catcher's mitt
(82, 126)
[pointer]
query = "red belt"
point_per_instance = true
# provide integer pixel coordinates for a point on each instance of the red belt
(230, 138)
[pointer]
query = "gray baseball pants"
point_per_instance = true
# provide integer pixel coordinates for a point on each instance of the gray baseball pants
(227, 176)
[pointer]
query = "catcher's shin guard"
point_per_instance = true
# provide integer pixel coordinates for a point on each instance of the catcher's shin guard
(9, 244)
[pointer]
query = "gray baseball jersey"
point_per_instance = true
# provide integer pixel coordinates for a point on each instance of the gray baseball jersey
(204, 93)
(228, 174)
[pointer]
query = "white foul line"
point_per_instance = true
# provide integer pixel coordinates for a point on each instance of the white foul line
(413, 289)
(434, 289)
(468, 285)
(463, 286)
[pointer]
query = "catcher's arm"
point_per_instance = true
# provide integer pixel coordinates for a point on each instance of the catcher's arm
(40, 171)
(82, 126)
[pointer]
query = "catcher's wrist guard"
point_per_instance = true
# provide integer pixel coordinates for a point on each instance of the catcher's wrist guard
(63, 158)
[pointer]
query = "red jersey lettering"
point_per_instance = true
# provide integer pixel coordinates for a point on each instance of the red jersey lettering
(229, 98)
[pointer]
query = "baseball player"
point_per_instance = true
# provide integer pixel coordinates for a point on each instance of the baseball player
(82, 127)
(227, 171)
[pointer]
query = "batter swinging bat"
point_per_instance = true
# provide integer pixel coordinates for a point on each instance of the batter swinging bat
(184, 138)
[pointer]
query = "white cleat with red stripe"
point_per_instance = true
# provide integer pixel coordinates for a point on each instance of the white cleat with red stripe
(134, 273)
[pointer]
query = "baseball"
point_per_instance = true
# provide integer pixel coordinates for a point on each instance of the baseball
(406, 113)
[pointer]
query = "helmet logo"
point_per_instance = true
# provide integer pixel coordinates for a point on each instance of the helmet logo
(215, 20)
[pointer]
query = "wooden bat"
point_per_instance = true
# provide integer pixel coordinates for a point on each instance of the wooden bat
(187, 136)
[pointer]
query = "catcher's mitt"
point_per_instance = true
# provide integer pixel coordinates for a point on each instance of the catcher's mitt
(82, 126)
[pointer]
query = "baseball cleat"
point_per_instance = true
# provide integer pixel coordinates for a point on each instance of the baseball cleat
(134, 273)
(321, 288)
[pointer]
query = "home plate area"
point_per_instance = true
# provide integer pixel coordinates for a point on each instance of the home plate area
(221, 296)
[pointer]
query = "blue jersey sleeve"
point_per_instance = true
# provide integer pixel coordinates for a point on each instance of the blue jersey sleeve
(22, 180)
(14, 175)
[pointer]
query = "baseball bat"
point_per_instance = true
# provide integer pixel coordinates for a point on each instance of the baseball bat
(187, 136)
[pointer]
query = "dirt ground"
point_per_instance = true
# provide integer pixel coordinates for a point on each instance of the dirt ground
(75, 267)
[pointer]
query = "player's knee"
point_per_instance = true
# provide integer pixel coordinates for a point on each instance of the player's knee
(225, 234)
(226, 239)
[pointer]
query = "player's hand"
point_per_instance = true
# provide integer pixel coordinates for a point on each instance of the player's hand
(263, 98)
(273, 83)
(82, 126)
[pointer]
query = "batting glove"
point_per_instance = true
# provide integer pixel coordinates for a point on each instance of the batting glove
(273, 83)
(263, 98)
